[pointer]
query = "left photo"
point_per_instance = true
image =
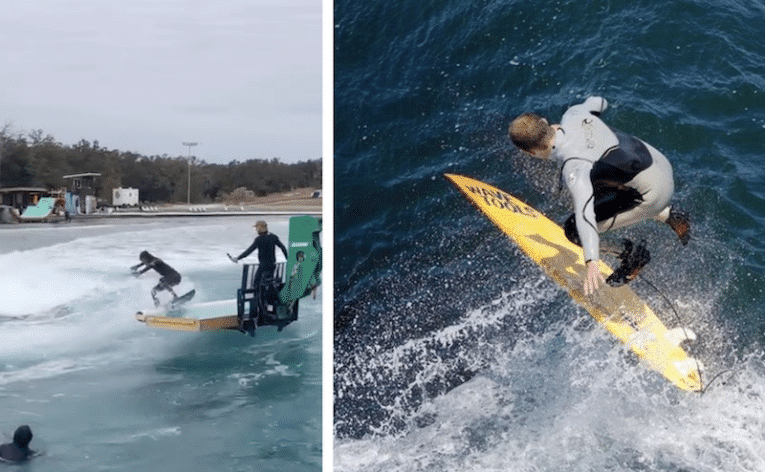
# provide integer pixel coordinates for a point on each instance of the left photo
(161, 235)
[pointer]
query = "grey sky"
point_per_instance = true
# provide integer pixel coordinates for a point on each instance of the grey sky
(241, 77)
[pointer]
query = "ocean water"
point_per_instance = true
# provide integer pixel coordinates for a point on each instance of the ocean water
(102, 392)
(452, 352)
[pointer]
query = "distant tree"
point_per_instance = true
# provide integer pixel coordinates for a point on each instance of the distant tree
(36, 159)
(17, 169)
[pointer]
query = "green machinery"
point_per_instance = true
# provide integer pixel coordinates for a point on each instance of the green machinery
(274, 300)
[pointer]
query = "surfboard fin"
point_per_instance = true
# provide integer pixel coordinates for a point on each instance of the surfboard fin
(688, 365)
(678, 335)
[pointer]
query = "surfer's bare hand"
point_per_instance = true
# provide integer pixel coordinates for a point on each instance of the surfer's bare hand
(591, 280)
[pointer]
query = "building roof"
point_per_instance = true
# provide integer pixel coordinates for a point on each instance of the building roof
(23, 189)
(86, 174)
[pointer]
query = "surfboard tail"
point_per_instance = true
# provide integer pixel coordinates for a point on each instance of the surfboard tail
(690, 370)
(678, 335)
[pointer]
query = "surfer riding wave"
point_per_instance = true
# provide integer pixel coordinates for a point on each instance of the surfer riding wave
(615, 180)
(170, 277)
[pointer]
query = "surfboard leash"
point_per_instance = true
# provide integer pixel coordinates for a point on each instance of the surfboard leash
(680, 323)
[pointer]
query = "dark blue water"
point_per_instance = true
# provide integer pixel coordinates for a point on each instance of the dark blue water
(451, 349)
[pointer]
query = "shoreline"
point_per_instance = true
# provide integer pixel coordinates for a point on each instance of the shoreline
(207, 210)
(299, 202)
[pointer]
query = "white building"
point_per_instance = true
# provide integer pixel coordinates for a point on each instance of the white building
(124, 197)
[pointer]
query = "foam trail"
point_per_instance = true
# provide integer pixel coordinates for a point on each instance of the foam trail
(68, 305)
(566, 397)
(573, 400)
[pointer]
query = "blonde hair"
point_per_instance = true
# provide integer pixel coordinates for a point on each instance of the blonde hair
(261, 226)
(530, 131)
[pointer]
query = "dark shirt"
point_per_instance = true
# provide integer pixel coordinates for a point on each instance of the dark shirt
(266, 246)
(165, 270)
(12, 452)
(169, 275)
(18, 450)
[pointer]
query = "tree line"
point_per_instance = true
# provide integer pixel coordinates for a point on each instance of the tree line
(34, 160)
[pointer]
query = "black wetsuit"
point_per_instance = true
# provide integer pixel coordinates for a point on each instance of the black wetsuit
(170, 276)
(266, 246)
(18, 450)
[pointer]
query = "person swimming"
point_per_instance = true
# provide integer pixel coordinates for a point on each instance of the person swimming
(18, 450)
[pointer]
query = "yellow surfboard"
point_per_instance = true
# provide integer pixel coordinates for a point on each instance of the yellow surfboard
(619, 309)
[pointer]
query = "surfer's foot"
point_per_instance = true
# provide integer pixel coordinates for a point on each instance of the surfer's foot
(625, 254)
(680, 224)
(632, 262)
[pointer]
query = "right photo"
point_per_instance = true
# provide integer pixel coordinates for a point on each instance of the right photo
(548, 236)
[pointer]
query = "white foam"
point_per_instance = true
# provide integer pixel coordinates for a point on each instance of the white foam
(159, 433)
(616, 418)
(34, 281)
(74, 300)
(568, 398)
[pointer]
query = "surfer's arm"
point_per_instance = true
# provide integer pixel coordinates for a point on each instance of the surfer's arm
(577, 174)
(136, 271)
(592, 106)
(595, 105)
(592, 277)
(284, 249)
(249, 250)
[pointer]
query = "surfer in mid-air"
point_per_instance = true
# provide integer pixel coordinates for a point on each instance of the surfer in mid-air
(615, 180)
(170, 277)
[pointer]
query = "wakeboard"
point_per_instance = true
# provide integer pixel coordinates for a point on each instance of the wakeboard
(178, 302)
(618, 309)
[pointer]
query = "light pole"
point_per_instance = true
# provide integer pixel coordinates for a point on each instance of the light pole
(188, 186)
(2, 147)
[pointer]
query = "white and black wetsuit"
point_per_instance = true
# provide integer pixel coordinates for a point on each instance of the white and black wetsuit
(615, 179)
